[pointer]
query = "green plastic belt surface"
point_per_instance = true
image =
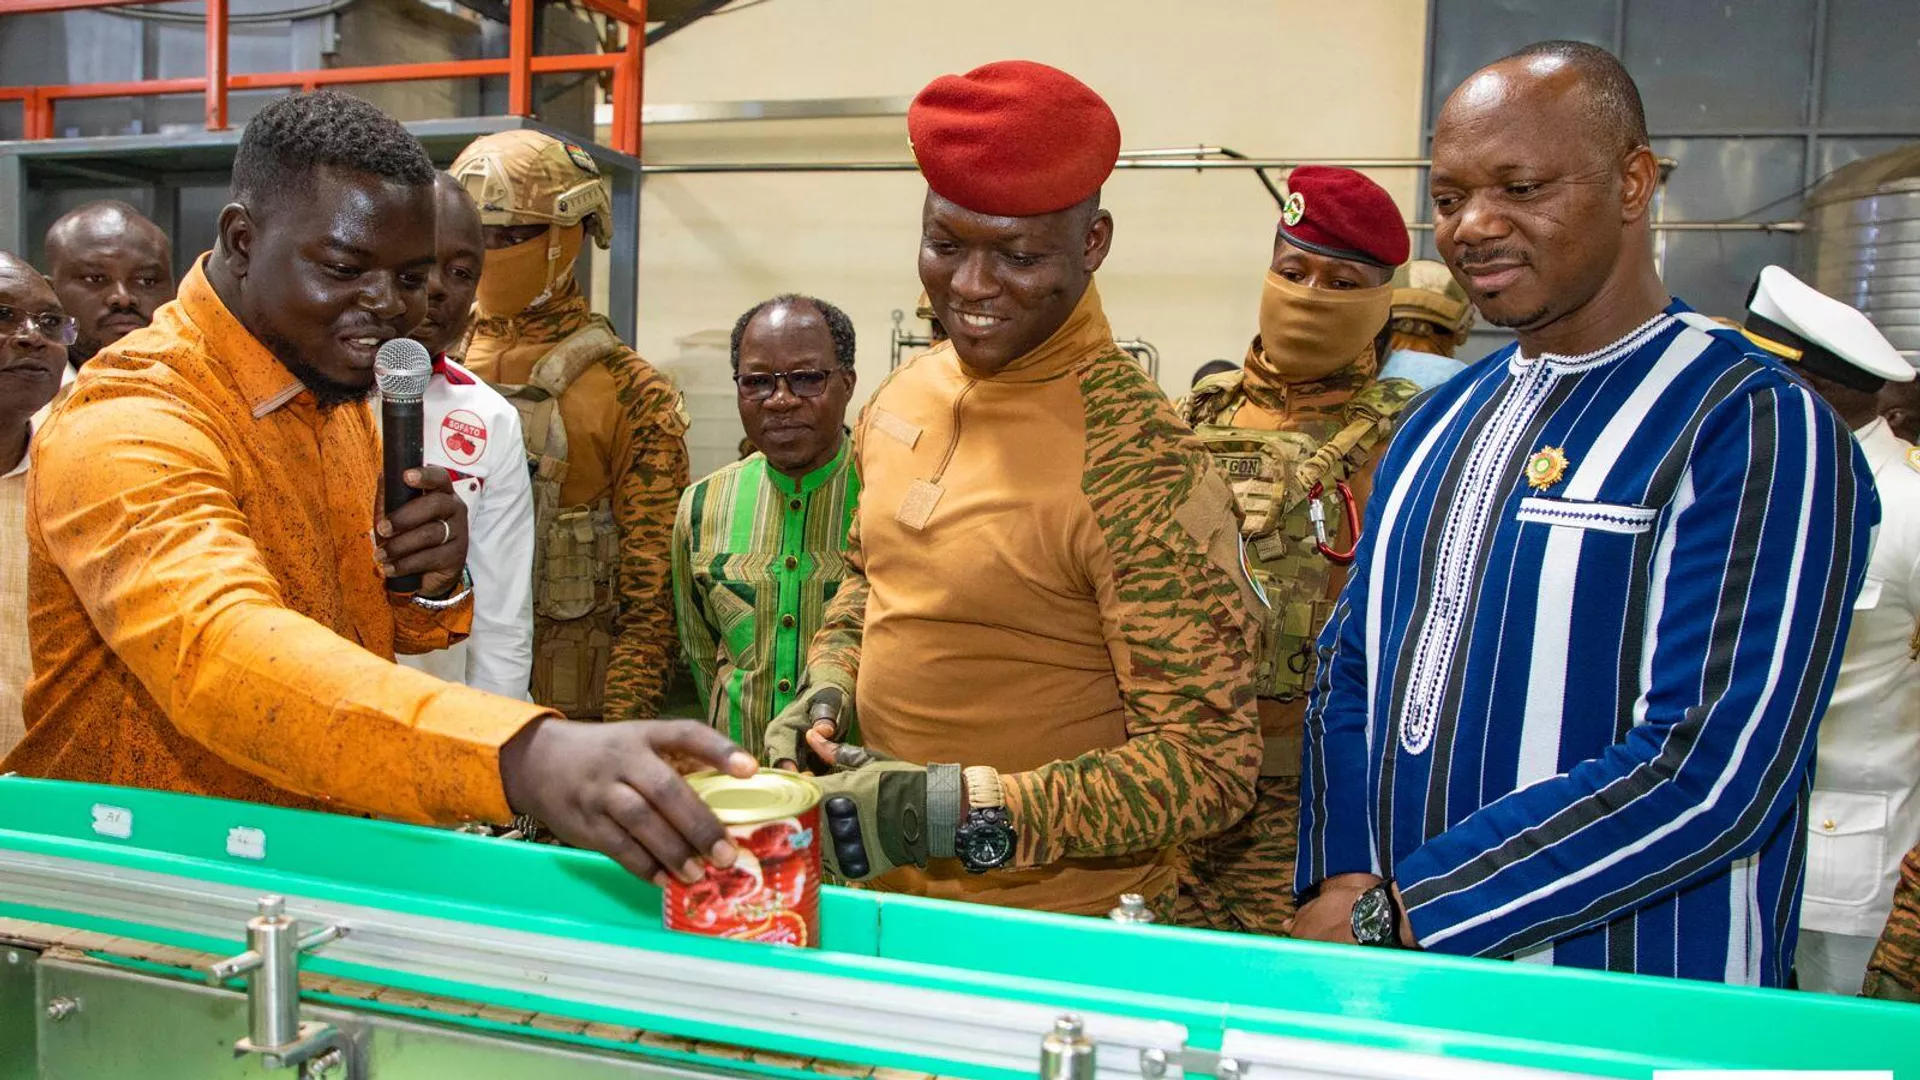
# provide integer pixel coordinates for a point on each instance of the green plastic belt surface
(1577, 1021)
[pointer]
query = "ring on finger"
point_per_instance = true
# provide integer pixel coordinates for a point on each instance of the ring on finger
(447, 537)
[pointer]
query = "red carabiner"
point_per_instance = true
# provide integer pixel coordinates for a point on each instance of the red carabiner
(1338, 558)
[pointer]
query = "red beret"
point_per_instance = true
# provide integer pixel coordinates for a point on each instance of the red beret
(1013, 138)
(1341, 213)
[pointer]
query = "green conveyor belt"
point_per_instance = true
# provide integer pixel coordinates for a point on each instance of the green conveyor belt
(1582, 1022)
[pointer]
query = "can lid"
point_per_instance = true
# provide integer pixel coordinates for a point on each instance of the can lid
(764, 796)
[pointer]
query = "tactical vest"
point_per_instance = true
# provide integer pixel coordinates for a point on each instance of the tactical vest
(1271, 473)
(576, 549)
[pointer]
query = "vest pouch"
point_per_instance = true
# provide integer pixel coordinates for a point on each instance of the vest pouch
(1257, 469)
(570, 664)
(576, 574)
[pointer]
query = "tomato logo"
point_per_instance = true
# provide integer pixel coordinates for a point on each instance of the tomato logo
(464, 436)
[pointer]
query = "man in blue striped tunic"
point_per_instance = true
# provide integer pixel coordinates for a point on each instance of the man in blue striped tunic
(1566, 704)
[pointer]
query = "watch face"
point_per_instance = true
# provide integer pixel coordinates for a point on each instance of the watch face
(985, 844)
(1372, 917)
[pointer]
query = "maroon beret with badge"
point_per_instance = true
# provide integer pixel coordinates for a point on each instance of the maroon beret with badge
(1013, 138)
(1339, 212)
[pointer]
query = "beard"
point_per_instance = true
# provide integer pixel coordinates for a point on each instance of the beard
(327, 393)
(1517, 322)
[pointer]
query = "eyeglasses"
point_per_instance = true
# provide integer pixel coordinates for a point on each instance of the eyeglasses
(805, 383)
(53, 327)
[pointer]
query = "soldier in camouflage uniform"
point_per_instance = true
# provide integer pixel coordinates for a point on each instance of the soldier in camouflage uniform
(603, 431)
(1044, 574)
(1894, 971)
(1297, 431)
(1431, 318)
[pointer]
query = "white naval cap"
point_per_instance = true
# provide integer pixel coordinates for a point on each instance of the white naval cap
(1801, 324)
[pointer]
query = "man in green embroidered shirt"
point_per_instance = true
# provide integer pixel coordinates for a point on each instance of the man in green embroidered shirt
(758, 547)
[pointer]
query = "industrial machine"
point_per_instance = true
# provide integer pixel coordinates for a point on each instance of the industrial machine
(160, 936)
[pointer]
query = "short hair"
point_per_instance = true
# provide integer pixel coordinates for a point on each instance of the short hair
(839, 327)
(1613, 103)
(1211, 368)
(286, 141)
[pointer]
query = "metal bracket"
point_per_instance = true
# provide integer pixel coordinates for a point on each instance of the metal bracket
(273, 996)
(1155, 1064)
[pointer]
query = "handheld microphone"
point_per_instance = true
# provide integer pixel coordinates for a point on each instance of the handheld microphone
(402, 370)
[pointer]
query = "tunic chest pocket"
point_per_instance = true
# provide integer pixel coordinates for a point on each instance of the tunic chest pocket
(1625, 518)
(732, 587)
(1847, 858)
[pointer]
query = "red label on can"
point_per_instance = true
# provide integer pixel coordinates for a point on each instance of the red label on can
(771, 893)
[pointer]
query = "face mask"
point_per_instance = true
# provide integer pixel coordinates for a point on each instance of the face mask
(1308, 333)
(513, 279)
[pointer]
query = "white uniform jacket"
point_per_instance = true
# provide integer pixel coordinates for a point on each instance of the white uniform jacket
(1866, 798)
(474, 433)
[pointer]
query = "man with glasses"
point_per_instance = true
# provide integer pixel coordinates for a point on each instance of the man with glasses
(759, 546)
(34, 335)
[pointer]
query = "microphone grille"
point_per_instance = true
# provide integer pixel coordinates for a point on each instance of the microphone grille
(402, 369)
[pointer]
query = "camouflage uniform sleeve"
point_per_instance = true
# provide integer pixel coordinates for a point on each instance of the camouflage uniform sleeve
(1177, 610)
(1896, 959)
(834, 657)
(649, 474)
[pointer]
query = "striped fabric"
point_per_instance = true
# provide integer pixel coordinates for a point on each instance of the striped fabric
(756, 557)
(1575, 722)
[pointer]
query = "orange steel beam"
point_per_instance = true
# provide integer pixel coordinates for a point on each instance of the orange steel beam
(629, 82)
(520, 55)
(632, 15)
(520, 65)
(298, 80)
(30, 7)
(216, 65)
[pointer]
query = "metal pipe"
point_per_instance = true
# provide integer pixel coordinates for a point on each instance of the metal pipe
(216, 65)
(520, 57)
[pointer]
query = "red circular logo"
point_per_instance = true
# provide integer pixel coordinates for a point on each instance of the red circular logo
(463, 436)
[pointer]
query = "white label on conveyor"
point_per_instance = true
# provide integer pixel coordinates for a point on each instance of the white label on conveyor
(114, 821)
(246, 842)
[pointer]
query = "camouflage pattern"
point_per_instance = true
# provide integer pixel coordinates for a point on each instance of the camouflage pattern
(1431, 312)
(604, 640)
(1894, 971)
(1326, 432)
(1190, 755)
(1186, 769)
(1242, 880)
(1275, 442)
(525, 177)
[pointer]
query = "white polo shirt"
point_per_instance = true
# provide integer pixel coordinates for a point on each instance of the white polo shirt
(474, 433)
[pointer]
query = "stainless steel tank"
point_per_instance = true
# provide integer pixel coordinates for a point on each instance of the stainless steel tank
(1862, 242)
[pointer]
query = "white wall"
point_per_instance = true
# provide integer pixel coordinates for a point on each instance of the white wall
(1280, 78)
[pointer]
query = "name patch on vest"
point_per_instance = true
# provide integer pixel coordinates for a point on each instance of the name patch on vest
(1239, 466)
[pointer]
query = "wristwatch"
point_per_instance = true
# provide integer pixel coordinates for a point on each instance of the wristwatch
(1376, 919)
(985, 838)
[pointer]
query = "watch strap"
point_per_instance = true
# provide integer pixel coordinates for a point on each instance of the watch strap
(984, 787)
(453, 599)
(943, 809)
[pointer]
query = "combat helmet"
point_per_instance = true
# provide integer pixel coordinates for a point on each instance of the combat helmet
(1424, 291)
(525, 177)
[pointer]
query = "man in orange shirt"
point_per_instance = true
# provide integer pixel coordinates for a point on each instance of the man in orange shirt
(207, 609)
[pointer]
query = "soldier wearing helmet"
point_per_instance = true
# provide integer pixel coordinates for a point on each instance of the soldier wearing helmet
(1297, 431)
(1431, 318)
(603, 430)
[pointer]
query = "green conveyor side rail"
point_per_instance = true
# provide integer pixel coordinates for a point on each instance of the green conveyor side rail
(1582, 1022)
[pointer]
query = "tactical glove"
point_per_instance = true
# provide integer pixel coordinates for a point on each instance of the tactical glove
(784, 745)
(885, 814)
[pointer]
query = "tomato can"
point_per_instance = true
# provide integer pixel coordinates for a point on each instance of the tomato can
(772, 891)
